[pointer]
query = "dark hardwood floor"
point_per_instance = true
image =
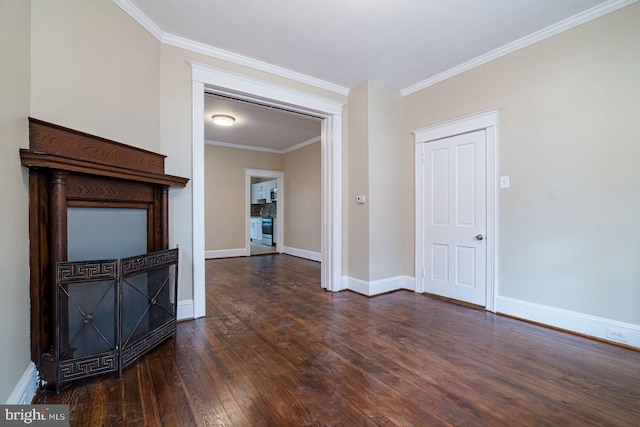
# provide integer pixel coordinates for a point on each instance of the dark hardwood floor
(277, 350)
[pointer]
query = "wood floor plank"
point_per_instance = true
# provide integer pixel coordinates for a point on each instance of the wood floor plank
(277, 350)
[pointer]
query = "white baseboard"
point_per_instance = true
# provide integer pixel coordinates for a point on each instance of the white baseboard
(225, 253)
(302, 253)
(185, 309)
(381, 286)
(598, 327)
(408, 283)
(26, 387)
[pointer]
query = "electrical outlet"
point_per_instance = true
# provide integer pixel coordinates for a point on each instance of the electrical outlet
(616, 334)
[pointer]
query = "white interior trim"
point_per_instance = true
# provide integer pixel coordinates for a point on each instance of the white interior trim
(301, 145)
(545, 33)
(331, 154)
(242, 147)
(457, 126)
(487, 120)
(226, 55)
(264, 173)
(197, 198)
(263, 149)
(598, 327)
(377, 287)
(302, 253)
(142, 19)
(225, 253)
(184, 309)
(25, 388)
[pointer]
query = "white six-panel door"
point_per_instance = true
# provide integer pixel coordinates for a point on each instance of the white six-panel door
(454, 249)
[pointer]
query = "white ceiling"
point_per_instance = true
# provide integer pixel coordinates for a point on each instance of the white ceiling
(345, 42)
(338, 44)
(258, 127)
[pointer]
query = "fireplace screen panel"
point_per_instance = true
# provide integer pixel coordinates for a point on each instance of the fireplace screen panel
(112, 312)
(91, 311)
(87, 319)
(148, 302)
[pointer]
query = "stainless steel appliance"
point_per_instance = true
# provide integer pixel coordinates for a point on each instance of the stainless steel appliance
(267, 231)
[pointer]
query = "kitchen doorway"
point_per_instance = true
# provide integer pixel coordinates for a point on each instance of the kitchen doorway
(264, 195)
(330, 111)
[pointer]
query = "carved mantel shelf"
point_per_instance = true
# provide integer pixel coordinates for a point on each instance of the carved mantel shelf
(69, 168)
(56, 147)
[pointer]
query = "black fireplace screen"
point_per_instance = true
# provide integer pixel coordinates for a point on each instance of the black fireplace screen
(111, 312)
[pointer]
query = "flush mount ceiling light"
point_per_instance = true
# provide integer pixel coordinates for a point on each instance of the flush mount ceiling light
(223, 120)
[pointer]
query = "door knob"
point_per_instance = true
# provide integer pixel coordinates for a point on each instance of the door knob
(479, 237)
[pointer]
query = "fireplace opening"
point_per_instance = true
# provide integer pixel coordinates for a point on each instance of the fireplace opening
(104, 233)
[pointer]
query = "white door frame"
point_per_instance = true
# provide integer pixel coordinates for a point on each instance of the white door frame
(487, 120)
(264, 173)
(267, 93)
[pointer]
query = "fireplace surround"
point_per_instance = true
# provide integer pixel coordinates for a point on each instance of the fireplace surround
(71, 170)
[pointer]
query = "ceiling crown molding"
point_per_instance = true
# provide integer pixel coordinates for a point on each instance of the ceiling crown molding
(302, 144)
(242, 147)
(208, 50)
(263, 149)
(142, 19)
(552, 30)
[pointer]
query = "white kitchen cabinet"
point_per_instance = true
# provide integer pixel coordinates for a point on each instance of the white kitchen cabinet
(262, 191)
(258, 192)
(256, 229)
(254, 194)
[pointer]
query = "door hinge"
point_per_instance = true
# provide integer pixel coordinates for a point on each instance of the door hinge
(422, 157)
(424, 272)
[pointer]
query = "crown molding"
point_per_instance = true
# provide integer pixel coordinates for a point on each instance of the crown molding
(301, 145)
(241, 146)
(263, 149)
(225, 55)
(552, 30)
(142, 19)
(205, 49)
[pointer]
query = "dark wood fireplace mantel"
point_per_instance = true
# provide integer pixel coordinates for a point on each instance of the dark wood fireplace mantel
(69, 168)
(56, 147)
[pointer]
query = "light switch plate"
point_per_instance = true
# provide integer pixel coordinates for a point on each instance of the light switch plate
(504, 182)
